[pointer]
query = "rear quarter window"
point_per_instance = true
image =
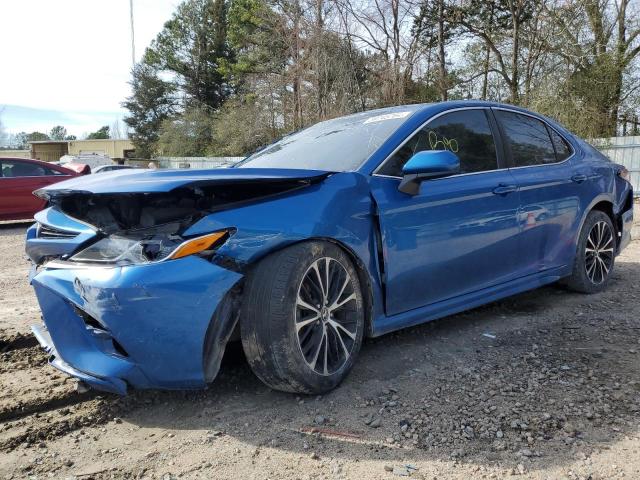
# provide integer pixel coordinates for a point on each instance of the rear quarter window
(527, 138)
(563, 150)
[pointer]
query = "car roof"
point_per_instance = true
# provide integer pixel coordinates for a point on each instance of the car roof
(423, 112)
(39, 162)
(27, 160)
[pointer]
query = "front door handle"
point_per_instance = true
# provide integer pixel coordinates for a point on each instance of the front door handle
(503, 189)
(579, 178)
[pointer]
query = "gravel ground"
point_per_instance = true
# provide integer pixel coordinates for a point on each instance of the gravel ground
(544, 385)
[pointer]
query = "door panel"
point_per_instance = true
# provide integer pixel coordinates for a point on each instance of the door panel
(16, 198)
(549, 191)
(549, 208)
(456, 236)
(18, 180)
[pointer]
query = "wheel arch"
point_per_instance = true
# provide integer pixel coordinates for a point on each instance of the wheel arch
(363, 273)
(602, 203)
(223, 327)
(224, 324)
(365, 281)
(607, 207)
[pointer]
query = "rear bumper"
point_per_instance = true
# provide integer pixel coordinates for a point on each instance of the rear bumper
(141, 326)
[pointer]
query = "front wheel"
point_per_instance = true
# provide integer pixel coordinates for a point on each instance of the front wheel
(302, 319)
(595, 255)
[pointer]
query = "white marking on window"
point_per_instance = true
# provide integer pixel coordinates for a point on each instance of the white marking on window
(387, 116)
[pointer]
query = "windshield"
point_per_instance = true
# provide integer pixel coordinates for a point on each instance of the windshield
(337, 145)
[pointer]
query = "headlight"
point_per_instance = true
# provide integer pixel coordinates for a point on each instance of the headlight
(117, 250)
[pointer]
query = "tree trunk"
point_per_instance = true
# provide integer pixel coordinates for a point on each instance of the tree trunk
(485, 75)
(319, 67)
(297, 95)
(515, 18)
(614, 110)
(442, 61)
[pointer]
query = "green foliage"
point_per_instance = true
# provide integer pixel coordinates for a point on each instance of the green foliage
(19, 141)
(225, 77)
(36, 137)
(186, 135)
(192, 46)
(58, 133)
(152, 102)
(242, 126)
(100, 134)
(256, 36)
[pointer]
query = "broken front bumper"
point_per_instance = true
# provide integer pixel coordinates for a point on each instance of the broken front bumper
(143, 326)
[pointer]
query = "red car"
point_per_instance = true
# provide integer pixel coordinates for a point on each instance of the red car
(19, 177)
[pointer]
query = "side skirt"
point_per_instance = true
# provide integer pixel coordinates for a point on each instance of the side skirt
(384, 324)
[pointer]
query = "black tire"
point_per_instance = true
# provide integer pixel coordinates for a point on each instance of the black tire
(591, 275)
(271, 313)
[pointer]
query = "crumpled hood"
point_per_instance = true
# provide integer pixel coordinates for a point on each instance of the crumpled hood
(159, 181)
(166, 201)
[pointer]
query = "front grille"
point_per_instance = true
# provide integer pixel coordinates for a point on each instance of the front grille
(45, 231)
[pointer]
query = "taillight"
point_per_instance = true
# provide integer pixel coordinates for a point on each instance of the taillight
(623, 173)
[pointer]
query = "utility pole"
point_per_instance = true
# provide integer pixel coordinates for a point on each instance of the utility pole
(133, 38)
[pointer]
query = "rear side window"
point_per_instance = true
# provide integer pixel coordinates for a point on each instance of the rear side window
(12, 169)
(466, 133)
(563, 151)
(51, 171)
(528, 139)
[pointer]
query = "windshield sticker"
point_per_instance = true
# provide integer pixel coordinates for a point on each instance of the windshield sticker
(387, 116)
(445, 143)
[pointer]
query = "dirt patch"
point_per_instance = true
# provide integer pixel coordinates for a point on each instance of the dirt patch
(18, 305)
(542, 385)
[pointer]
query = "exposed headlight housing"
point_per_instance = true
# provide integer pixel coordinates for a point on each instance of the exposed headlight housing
(119, 250)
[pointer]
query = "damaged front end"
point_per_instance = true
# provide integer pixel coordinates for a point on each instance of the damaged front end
(128, 297)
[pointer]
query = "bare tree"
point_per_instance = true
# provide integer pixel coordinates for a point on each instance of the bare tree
(599, 40)
(480, 19)
(383, 26)
(4, 136)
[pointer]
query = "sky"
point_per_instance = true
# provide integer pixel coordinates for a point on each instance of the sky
(67, 62)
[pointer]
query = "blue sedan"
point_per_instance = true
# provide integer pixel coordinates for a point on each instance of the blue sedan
(353, 227)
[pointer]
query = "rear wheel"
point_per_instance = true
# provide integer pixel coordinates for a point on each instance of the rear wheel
(595, 256)
(303, 318)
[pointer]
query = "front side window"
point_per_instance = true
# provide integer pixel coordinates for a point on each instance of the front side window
(465, 132)
(16, 169)
(528, 139)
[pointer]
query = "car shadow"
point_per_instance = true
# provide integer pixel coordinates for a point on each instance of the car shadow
(533, 378)
(14, 227)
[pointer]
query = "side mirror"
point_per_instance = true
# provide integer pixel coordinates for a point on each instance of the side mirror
(427, 164)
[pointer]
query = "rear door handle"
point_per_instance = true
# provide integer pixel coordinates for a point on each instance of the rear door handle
(579, 178)
(503, 189)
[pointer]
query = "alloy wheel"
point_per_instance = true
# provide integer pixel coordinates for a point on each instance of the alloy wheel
(326, 326)
(599, 252)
